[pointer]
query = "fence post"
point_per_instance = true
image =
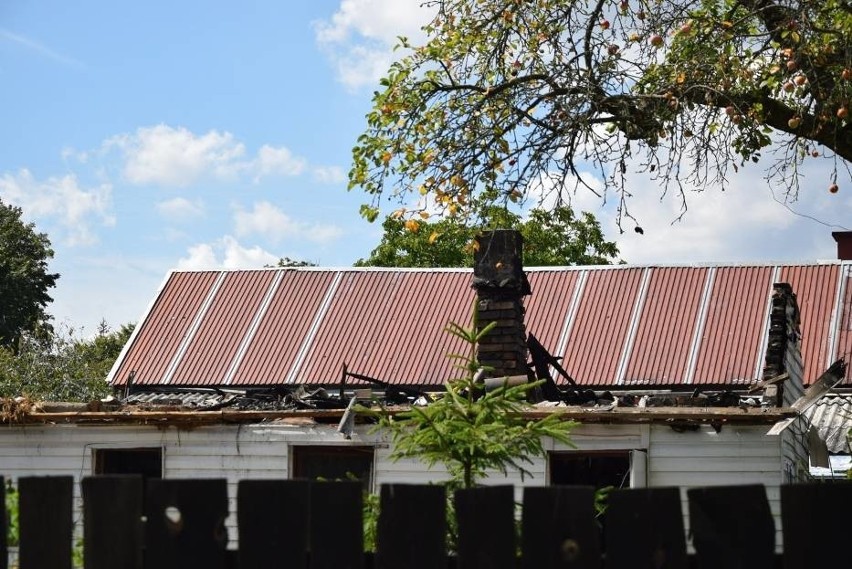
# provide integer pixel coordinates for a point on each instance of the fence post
(337, 532)
(185, 523)
(112, 521)
(643, 529)
(559, 529)
(486, 524)
(45, 521)
(732, 527)
(815, 523)
(272, 521)
(412, 527)
(4, 516)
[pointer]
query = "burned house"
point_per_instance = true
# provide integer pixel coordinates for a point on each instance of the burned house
(678, 375)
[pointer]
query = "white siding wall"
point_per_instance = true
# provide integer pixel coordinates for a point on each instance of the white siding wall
(734, 456)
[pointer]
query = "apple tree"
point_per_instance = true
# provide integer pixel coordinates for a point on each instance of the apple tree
(508, 100)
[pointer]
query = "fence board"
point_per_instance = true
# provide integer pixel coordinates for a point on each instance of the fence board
(412, 527)
(112, 514)
(336, 527)
(486, 526)
(559, 530)
(732, 527)
(45, 522)
(815, 523)
(185, 523)
(272, 523)
(4, 555)
(643, 529)
(299, 524)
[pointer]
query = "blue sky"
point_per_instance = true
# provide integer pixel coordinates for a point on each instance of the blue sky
(143, 137)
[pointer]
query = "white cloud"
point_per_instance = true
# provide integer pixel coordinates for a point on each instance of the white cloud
(381, 20)
(329, 175)
(744, 223)
(225, 253)
(177, 157)
(180, 209)
(62, 199)
(277, 161)
(267, 220)
(359, 37)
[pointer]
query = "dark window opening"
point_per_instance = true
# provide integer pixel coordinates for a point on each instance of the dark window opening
(145, 461)
(598, 469)
(333, 463)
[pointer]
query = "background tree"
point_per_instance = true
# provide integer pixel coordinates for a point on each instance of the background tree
(515, 99)
(24, 278)
(284, 262)
(61, 366)
(551, 238)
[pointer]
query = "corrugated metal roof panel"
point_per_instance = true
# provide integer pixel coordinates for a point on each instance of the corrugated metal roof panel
(390, 326)
(284, 328)
(599, 331)
(548, 306)
(166, 326)
(213, 347)
(669, 316)
(815, 288)
(732, 344)
(832, 417)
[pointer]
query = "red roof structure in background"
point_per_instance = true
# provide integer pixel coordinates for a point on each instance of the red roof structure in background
(614, 327)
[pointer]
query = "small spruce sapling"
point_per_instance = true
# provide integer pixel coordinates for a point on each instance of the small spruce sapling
(470, 430)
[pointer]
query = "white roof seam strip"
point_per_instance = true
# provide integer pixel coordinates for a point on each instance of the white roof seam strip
(562, 344)
(312, 331)
(193, 328)
(627, 349)
(252, 329)
(700, 322)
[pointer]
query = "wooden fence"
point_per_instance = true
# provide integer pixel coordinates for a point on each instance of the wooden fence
(298, 524)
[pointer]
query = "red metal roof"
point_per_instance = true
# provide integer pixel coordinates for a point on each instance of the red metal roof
(612, 326)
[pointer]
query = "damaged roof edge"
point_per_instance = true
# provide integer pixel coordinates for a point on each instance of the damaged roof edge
(616, 415)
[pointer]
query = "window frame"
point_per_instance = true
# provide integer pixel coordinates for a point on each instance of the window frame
(99, 452)
(300, 452)
(635, 477)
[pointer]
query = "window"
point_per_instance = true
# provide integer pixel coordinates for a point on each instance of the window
(333, 463)
(145, 461)
(598, 469)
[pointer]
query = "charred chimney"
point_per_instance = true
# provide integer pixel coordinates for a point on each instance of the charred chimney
(501, 284)
(782, 349)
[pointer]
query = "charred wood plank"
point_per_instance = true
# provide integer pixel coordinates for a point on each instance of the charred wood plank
(112, 516)
(185, 523)
(559, 530)
(412, 527)
(732, 527)
(272, 515)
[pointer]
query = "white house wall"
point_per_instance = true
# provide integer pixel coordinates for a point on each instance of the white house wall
(733, 456)
(736, 455)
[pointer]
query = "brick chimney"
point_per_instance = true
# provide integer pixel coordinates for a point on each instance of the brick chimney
(844, 244)
(500, 284)
(783, 353)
